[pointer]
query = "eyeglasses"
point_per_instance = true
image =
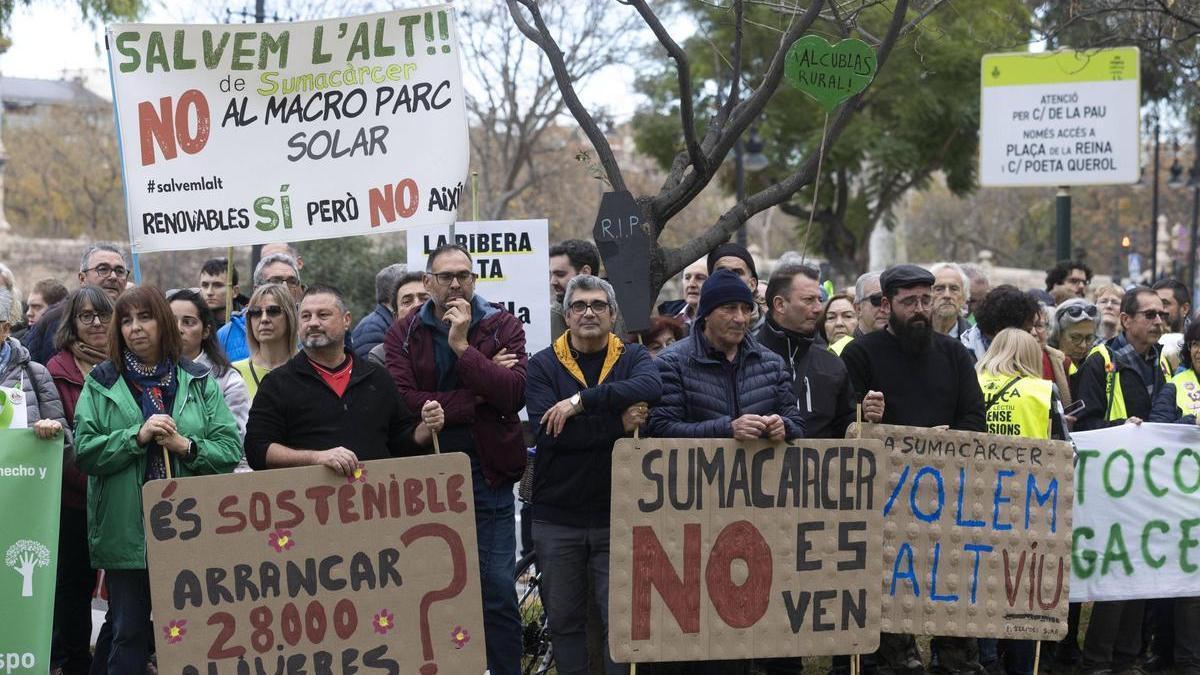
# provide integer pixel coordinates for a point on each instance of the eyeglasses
(597, 307)
(876, 299)
(104, 270)
(88, 318)
(290, 282)
(257, 312)
(1152, 314)
(1076, 311)
(445, 278)
(1080, 339)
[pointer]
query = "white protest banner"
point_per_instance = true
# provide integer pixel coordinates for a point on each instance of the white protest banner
(1060, 118)
(1137, 513)
(238, 134)
(512, 260)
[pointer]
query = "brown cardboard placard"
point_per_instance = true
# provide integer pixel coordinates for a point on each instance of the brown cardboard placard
(724, 549)
(305, 570)
(981, 546)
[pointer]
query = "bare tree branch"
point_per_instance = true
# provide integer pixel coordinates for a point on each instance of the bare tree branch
(686, 116)
(540, 35)
(720, 138)
(677, 259)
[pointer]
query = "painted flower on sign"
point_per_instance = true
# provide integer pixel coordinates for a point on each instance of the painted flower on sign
(383, 622)
(460, 637)
(175, 630)
(281, 540)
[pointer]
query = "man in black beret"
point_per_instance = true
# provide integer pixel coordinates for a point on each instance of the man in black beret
(926, 379)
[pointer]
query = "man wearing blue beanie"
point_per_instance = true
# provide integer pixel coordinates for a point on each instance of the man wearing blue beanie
(720, 383)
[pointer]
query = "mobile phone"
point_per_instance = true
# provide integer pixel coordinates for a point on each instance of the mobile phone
(1075, 408)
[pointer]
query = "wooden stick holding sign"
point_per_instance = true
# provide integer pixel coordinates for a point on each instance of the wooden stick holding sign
(437, 447)
(829, 74)
(228, 284)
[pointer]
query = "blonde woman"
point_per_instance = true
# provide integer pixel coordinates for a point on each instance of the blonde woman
(1018, 402)
(270, 333)
(1108, 302)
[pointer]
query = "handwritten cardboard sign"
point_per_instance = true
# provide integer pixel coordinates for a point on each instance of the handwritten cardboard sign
(243, 134)
(977, 533)
(829, 74)
(723, 549)
(301, 570)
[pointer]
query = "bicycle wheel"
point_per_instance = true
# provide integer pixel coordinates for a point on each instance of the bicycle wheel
(537, 656)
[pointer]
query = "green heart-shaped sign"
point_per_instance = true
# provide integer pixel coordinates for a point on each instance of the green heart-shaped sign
(829, 74)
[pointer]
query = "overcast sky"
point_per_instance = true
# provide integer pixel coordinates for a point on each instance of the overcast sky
(50, 40)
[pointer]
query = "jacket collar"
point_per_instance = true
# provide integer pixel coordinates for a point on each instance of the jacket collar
(106, 374)
(362, 367)
(772, 335)
(62, 366)
(702, 351)
(562, 349)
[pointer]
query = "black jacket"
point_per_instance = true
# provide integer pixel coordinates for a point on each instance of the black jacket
(820, 380)
(572, 474)
(39, 340)
(936, 387)
(296, 408)
(1093, 386)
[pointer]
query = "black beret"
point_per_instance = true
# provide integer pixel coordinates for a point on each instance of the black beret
(903, 276)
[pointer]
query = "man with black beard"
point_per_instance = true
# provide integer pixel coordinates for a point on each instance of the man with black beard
(916, 377)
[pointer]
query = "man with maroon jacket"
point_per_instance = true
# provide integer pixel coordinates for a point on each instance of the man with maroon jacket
(443, 351)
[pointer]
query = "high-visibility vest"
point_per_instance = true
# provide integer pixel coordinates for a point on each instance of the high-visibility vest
(1115, 398)
(1187, 392)
(1017, 406)
(841, 343)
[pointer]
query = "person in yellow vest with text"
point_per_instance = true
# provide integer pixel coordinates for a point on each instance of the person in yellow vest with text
(1018, 402)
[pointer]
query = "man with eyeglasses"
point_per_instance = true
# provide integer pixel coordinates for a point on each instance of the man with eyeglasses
(867, 303)
(277, 268)
(909, 374)
(444, 352)
(1068, 279)
(1118, 383)
(103, 266)
(950, 285)
(586, 391)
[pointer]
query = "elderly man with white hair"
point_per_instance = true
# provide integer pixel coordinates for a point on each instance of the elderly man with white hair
(950, 289)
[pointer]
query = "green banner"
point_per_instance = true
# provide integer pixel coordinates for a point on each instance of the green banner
(30, 485)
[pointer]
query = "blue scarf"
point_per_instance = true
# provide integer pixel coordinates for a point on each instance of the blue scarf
(155, 390)
(5, 355)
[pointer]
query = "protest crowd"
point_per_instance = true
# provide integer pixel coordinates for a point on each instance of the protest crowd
(290, 379)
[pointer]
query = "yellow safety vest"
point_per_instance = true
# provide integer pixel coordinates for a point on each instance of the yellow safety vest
(1187, 392)
(1112, 383)
(1017, 406)
(838, 346)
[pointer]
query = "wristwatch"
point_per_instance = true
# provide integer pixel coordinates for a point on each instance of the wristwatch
(192, 451)
(576, 402)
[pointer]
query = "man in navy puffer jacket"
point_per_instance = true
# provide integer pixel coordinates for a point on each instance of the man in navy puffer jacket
(719, 382)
